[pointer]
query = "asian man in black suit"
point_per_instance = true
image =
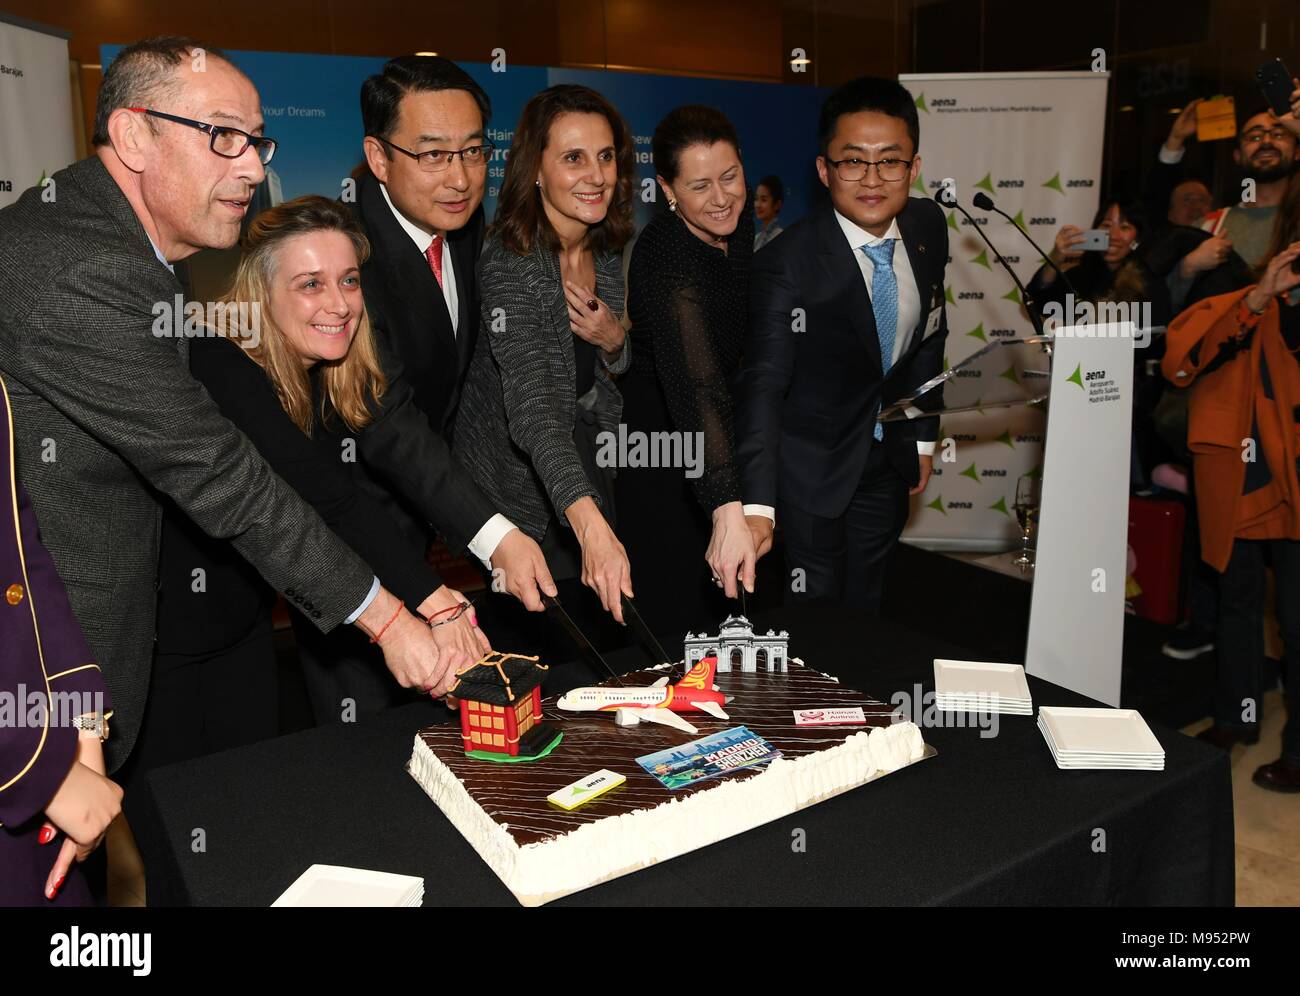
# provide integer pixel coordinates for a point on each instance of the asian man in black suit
(846, 316)
(420, 203)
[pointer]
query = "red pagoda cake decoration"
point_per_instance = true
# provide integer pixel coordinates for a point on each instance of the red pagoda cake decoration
(500, 700)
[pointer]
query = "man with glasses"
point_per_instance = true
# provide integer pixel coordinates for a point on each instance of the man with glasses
(1217, 256)
(108, 421)
(421, 203)
(846, 315)
(1266, 153)
(420, 200)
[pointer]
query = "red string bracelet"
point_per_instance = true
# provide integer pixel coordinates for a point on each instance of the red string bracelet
(442, 612)
(380, 635)
(461, 607)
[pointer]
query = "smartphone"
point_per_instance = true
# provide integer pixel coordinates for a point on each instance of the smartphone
(1094, 240)
(1275, 82)
(1216, 118)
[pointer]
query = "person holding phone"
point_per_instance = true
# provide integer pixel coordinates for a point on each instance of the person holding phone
(1111, 272)
(1266, 152)
(1237, 355)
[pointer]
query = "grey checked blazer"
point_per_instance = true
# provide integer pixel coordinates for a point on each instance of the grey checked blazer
(106, 415)
(515, 426)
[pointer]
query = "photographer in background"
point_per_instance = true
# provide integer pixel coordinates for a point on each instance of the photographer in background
(1218, 257)
(1240, 352)
(1116, 273)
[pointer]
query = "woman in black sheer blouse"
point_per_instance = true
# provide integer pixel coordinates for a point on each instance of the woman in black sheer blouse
(683, 524)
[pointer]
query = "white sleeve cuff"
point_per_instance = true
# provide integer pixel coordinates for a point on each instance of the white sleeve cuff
(1171, 158)
(925, 447)
(374, 590)
(767, 511)
(487, 539)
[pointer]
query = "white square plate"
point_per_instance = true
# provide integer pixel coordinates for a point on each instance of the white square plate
(1101, 762)
(335, 885)
(1100, 731)
(963, 678)
(1076, 755)
(984, 703)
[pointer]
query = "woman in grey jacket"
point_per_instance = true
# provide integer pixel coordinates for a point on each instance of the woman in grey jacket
(539, 389)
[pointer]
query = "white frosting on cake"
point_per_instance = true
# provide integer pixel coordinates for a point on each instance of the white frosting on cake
(605, 849)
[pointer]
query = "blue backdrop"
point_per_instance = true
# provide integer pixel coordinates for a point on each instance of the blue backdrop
(311, 104)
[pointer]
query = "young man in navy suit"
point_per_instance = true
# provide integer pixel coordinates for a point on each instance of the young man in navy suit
(846, 316)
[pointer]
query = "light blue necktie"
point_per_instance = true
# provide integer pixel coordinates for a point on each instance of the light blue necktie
(884, 303)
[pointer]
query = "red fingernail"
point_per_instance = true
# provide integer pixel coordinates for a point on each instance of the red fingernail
(57, 885)
(47, 834)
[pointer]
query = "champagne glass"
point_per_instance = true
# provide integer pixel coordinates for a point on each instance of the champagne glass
(1028, 490)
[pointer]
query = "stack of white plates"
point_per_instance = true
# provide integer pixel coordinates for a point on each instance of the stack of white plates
(1100, 739)
(333, 885)
(974, 686)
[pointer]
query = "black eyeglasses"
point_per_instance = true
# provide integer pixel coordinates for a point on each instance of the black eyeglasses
(437, 160)
(1277, 133)
(853, 170)
(227, 142)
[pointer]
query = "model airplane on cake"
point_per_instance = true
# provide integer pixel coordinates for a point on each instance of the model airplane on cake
(657, 703)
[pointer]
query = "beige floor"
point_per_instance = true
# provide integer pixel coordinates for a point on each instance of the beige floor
(1268, 830)
(1267, 823)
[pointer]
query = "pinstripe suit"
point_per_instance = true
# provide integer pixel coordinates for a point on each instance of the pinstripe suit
(514, 429)
(105, 412)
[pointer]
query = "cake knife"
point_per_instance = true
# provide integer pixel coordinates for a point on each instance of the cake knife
(643, 632)
(556, 611)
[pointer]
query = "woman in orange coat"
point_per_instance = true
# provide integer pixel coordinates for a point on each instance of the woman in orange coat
(1241, 354)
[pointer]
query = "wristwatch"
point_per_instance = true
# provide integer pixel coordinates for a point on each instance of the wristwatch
(93, 722)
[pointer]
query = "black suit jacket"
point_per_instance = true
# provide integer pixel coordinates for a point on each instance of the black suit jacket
(424, 356)
(406, 305)
(812, 377)
(90, 374)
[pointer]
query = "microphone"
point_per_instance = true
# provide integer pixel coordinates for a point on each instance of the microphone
(985, 203)
(947, 199)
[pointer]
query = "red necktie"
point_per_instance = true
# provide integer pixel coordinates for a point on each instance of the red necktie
(434, 255)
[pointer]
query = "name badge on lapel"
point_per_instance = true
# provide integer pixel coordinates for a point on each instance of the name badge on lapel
(932, 323)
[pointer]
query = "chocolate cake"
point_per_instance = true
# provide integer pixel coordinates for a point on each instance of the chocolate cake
(542, 852)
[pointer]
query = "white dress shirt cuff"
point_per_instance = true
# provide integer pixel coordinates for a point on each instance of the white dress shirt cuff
(1170, 158)
(925, 447)
(374, 590)
(767, 511)
(487, 539)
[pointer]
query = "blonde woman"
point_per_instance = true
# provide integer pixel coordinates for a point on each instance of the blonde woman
(309, 389)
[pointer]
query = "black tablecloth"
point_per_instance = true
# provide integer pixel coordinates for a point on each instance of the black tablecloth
(987, 821)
